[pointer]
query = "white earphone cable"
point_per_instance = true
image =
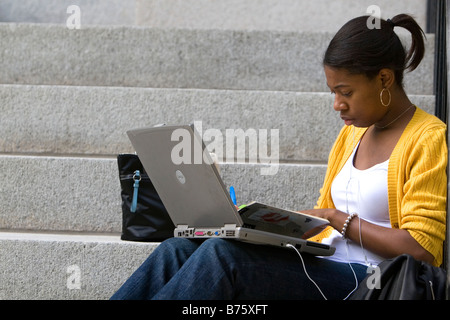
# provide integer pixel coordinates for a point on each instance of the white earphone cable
(306, 272)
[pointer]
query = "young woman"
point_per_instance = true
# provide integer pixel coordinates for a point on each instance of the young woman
(384, 193)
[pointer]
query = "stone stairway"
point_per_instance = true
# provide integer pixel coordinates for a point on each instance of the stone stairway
(68, 96)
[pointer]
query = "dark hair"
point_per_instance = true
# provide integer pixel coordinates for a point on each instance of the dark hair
(361, 49)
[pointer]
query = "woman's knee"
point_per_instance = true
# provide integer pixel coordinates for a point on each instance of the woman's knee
(220, 249)
(175, 247)
(173, 242)
(213, 250)
(178, 243)
(217, 244)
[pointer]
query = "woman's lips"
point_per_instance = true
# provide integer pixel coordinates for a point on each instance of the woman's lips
(347, 121)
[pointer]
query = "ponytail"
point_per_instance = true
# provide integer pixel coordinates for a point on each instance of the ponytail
(363, 50)
(417, 50)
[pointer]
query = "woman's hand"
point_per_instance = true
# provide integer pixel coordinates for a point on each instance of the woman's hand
(386, 242)
(320, 213)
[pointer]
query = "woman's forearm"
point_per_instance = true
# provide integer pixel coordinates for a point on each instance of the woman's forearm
(386, 242)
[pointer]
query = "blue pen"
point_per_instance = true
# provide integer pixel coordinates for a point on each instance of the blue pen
(233, 195)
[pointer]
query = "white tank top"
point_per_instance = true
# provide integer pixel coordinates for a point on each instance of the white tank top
(364, 192)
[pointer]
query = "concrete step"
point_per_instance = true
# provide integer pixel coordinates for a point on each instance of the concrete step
(92, 12)
(83, 194)
(175, 58)
(42, 266)
(93, 120)
(287, 15)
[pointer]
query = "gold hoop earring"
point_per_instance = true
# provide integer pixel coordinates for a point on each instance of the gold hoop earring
(381, 97)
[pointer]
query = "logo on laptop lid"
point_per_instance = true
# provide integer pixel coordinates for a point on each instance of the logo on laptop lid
(180, 176)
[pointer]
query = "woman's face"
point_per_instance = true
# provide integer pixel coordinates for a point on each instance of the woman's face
(357, 97)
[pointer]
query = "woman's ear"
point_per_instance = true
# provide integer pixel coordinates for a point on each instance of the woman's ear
(387, 77)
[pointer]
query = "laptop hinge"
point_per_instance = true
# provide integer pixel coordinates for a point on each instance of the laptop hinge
(229, 230)
(183, 230)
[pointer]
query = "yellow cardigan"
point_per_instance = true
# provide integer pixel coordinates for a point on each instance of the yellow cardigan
(417, 180)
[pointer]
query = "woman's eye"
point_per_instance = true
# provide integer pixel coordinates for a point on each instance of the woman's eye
(345, 94)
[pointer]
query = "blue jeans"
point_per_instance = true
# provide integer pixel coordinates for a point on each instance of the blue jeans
(228, 269)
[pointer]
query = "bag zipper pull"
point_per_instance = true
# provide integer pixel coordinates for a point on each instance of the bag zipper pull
(432, 291)
(136, 178)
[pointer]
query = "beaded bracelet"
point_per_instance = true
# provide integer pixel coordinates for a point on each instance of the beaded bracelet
(347, 222)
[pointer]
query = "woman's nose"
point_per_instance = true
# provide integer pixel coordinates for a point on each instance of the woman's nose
(339, 105)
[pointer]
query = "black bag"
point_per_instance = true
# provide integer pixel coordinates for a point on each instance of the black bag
(144, 217)
(404, 278)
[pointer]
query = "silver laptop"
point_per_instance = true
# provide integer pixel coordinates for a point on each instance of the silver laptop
(197, 201)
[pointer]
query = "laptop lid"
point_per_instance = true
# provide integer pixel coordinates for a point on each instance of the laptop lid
(183, 172)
